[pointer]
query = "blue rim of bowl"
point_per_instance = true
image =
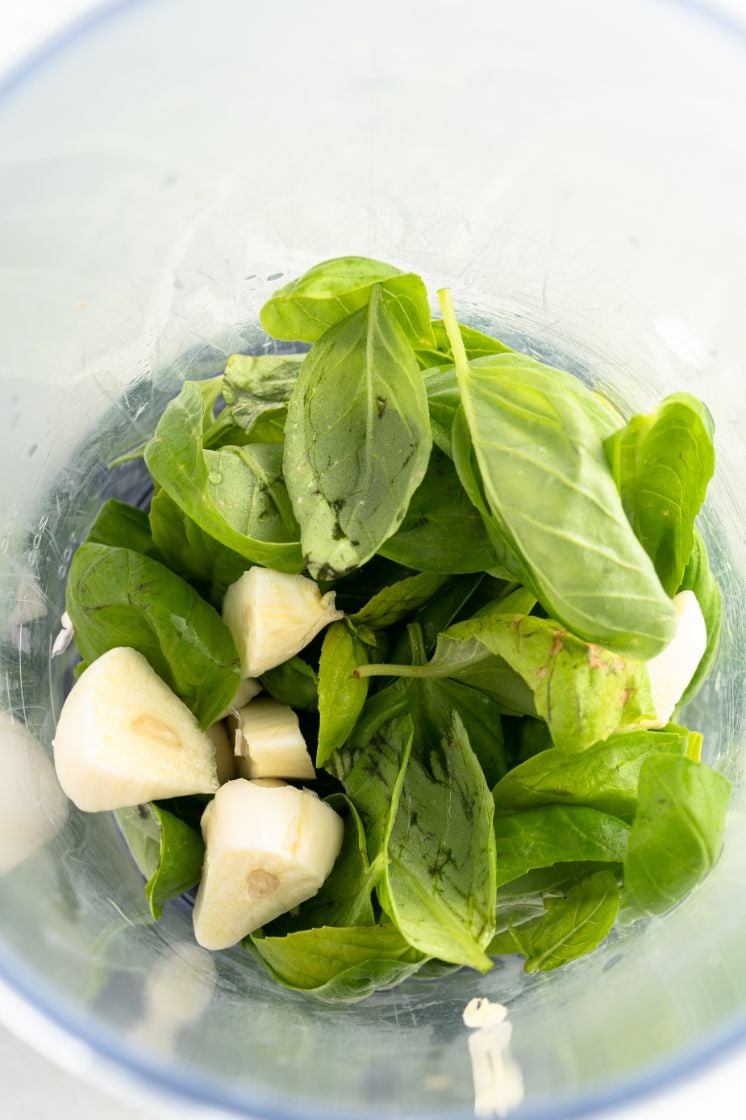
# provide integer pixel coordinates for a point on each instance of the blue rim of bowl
(181, 1084)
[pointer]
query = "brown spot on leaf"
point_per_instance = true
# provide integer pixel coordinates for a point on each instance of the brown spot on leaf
(558, 642)
(627, 696)
(542, 672)
(596, 658)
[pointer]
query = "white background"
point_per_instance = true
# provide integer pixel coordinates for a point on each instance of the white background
(31, 1088)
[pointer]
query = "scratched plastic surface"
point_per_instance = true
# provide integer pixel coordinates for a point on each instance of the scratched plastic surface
(574, 173)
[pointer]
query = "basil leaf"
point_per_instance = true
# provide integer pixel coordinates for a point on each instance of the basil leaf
(572, 926)
(476, 343)
(676, 835)
(698, 578)
(352, 470)
(399, 600)
(556, 520)
(116, 597)
(550, 834)
(583, 692)
(441, 611)
(333, 290)
(123, 526)
(258, 387)
(662, 463)
(428, 822)
(295, 683)
(442, 531)
(236, 494)
(190, 552)
(603, 777)
(338, 964)
(341, 694)
(443, 402)
(168, 852)
(354, 590)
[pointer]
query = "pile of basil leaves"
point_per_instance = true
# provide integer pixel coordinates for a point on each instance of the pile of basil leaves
(505, 548)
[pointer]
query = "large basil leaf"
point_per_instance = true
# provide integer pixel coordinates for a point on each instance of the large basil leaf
(428, 815)
(341, 693)
(556, 520)
(583, 692)
(123, 526)
(662, 463)
(442, 531)
(676, 835)
(399, 600)
(698, 578)
(295, 682)
(550, 834)
(357, 438)
(167, 851)
(258, 387)
(603, 777)
(338, 965)
(190, 551)
(116, 597)
(571, 926)
(307, 307)
(235, 494)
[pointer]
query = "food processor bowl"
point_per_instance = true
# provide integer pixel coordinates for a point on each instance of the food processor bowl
(574, 173)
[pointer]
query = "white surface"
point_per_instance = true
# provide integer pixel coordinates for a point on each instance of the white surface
(34, 1088)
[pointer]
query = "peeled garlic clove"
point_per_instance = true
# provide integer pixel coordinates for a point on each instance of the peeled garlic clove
(672, 670)
(225, 759)
(248, 688)
(273, 615)
(268, 848)
(269, 743)
(123, 738)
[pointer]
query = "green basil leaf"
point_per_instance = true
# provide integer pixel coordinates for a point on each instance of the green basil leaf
(698, 578)
(428, 815)
(295, 682)
(676, 835)
(572, 926)
(236, 495)
(441, 611)
(354, 590)
(168, 852)
(476, 343)
(123, 526)
(190, 552)
(258, 387)
(662, 463)
(399, 600)
(550, 834)
(555, 519)
(357, 439)
(443, 402)
(583, 692)
(307, 307)
(341, 694)
(338, 964)
(603, 777)
(442, 531)
(116, 597)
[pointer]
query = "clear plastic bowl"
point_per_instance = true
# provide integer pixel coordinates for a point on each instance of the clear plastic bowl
(575, 172)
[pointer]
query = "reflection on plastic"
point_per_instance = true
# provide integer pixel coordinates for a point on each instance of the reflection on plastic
(177, 991)
(498, 1082)
(33, 808)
